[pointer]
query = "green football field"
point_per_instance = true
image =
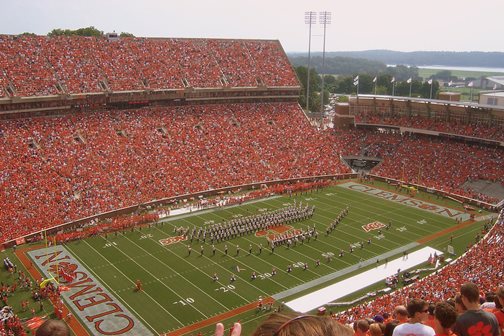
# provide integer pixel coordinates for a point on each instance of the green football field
(178, 289)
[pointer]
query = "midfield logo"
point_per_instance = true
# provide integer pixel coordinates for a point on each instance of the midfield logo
(373, 226)
(172, 240)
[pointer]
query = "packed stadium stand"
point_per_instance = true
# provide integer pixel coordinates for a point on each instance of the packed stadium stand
(438, 163)
(41, 66)
(79, 165)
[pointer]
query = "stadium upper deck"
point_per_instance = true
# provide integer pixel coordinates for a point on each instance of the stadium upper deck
(42, 66)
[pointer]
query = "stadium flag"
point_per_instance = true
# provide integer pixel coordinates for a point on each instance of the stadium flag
(471, 84)
(450, 249)
(429, 81)
(450, 83)
(356, 81)
(375, 79)
(393, 80)
(409, 80)
(495, 87)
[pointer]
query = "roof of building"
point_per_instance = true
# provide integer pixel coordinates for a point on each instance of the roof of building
(494, 94)
(496, 79)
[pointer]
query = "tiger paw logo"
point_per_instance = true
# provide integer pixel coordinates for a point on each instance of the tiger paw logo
(428, 207)
(63, 267)
(272, 232)
(373, 226)
(172, 240)
(480, 329)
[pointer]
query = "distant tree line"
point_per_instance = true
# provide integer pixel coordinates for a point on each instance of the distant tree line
(88, 31)
(449, 58)
(339, 65)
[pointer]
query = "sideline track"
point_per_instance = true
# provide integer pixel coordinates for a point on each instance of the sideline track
(348, 286)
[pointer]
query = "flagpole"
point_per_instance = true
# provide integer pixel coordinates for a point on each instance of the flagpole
(410, 84)
(325, 19)
(393, 89)
(375, 81)
(309, 18)
(471, 84)
(430, 97)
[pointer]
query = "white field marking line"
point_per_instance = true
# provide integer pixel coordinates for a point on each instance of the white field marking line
(375, 200)
(144, 292)
(152, 275)
(179, 274)
(246, 280)
(124, 302)
(291, 262)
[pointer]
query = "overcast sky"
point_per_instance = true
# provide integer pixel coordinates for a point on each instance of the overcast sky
(403, 25)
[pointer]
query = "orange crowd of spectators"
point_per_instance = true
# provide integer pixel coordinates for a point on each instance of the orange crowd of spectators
(433, 162)
(479, 129)
(24, 63)
(40, 65)
(55, 170)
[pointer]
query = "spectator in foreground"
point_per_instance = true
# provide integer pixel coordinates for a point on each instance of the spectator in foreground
(53, 328)
(307, 325)
(499, 308)
(376, 329)
(417, 311)
(361, 327)
(474, 321)
(445, 316)
(389, 328)
(459, 305)
(401, 314)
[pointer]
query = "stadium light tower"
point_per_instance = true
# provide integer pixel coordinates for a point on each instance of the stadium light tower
(310, 18)
(324, 19)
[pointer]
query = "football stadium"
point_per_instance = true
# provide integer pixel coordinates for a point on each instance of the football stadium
(159, 186)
